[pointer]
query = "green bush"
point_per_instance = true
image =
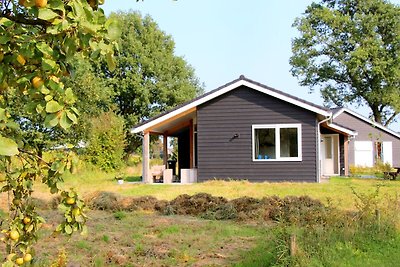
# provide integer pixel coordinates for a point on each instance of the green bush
(378, 169)
(106, 142)
(133, 160)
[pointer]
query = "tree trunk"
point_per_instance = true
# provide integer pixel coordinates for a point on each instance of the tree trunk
(376, 113)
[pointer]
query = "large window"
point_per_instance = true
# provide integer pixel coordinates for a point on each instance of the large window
(279, 142)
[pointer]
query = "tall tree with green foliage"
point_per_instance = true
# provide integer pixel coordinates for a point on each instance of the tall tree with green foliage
(106, 141)
(350, 49)
(38, 41)
(149, 77)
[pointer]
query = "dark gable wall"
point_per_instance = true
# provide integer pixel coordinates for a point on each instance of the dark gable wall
(234, 113)
(365, 131)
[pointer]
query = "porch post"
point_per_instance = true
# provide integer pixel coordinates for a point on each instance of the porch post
(165, 150)
(346, 155)
(146, 157)
(191, 143)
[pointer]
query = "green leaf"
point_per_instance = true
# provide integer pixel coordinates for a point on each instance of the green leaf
(8, 147)
(77, 9)
(75, 110)
(48, 98)
(13, 125)
(44, 48)
(53, 107)
(4, 39)
(44, 90)
(70, 46)
(2, 114)
(111, 62)
(69, 96)
(68, 229)
(48, 64)
(65, 123)
(51, 120)
(6, 22)
(39, 108)
(113, 29)
(59, 228)
(56, 5)
(89, 27)
(72, 117)
(47, 14)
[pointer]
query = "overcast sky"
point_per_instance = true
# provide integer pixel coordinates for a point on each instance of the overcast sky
(223, 39)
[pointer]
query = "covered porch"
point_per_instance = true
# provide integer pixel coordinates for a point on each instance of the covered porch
(183, 169)
(334, 149)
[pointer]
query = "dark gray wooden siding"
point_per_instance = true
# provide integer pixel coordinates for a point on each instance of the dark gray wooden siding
(367, 132)
(234, 113)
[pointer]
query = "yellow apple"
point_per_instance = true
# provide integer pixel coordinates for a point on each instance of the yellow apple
(21, 59)
(27, 257)
(40, 3)
(14, 235)
(37, 82)
(27, 220)
(19, 261)
(70, 200)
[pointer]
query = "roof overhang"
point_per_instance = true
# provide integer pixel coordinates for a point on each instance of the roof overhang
(341, 129)
(223, 90)
(375, 124)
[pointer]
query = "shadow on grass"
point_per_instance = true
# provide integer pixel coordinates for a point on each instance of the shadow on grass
(133, 178)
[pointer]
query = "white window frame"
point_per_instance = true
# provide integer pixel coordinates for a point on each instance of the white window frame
(277, 128)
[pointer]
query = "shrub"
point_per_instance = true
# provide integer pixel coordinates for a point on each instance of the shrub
(378, 169)
(106, 142)
(133, 160)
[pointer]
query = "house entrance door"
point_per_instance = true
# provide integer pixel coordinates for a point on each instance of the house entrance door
(330, 154)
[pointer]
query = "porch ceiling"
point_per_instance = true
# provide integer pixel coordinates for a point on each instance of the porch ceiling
(174, 125)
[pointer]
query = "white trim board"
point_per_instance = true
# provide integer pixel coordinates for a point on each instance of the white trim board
(277, 128)
(355, 114)
(342, 129)
(226, 89)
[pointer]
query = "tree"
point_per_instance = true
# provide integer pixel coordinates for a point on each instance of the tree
(149, 78)
(92, 97)
(351, 50)
(106, 141)
(38, 41)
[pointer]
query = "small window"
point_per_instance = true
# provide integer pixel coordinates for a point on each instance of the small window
(328, 147)
(277, 142)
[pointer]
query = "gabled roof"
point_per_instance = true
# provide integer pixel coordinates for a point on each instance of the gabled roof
(338, 111)
(242, 81)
